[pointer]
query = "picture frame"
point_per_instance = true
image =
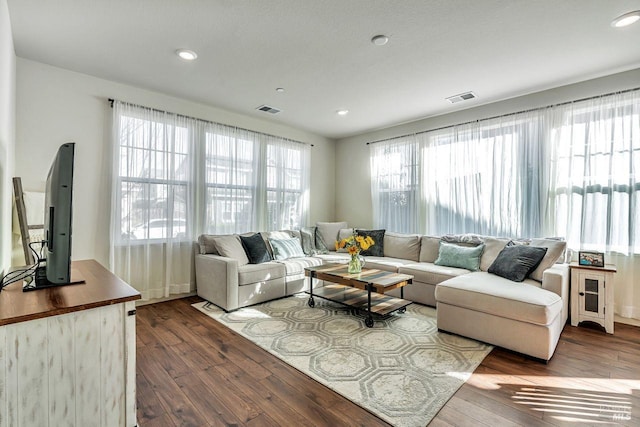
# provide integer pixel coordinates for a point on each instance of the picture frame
(591, 259)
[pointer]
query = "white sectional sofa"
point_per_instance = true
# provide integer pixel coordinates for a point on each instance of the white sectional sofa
(526, 317)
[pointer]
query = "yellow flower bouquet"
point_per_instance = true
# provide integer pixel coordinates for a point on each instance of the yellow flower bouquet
(354, 244)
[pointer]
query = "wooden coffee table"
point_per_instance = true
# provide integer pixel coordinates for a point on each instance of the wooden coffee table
(363, 290)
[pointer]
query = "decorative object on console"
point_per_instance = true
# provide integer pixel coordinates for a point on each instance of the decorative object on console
(355, 244)
(591, 259)
(452, 255)
(378, 237)
(255, 248)
(516, 262)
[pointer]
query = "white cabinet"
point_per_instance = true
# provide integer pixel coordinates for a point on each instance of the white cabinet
(75, 369)
(68, 353)
(592, 295)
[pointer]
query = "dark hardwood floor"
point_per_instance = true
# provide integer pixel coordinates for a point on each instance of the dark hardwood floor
(192, 371)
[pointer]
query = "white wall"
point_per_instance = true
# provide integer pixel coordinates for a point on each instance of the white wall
(55, 106)
(353, 201)
(7, 132)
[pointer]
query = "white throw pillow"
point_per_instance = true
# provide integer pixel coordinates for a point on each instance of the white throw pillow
(555, 249)
(229, 246)
(492, 248)
(328, 232)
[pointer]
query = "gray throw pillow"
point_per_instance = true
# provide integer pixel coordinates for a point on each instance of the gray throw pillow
(377, 249)
(256, 249)
(450, 255)
(308, 240)
(516, 262)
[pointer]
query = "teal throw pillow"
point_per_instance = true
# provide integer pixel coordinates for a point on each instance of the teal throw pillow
(451, 255)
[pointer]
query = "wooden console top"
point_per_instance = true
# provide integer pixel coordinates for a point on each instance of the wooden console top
(101, 288)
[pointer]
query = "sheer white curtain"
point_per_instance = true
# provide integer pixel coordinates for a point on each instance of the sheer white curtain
(254, 182)
(484, 177)
(595, 199)
(152, 199)
(176, 177)
(396, 184)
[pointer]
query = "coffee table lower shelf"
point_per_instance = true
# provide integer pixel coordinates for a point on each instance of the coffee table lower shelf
(353, 297)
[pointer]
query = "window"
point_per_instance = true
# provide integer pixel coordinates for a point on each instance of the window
(571, 171)
(596, 164)
(152, 179)
(231, 185)
(483, 178)
(178, 177)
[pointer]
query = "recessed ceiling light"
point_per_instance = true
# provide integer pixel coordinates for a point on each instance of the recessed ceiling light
(279, 89)
(186, 54)
(380, 40)
(342, 112)
(626, 19)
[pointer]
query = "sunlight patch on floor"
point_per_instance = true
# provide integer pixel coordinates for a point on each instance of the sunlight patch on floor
(568, 399)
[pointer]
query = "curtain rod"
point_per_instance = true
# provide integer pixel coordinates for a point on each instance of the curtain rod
(504, 115)
(111, 101)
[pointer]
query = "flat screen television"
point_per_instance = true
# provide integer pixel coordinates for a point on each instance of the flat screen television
(58, 211)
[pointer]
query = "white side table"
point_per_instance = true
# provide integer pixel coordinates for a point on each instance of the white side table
(592, 295)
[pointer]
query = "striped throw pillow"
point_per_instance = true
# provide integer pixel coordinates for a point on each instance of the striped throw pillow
(286, 248)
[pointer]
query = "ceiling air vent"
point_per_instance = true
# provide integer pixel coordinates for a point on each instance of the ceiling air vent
(462, 97)
(268, 109)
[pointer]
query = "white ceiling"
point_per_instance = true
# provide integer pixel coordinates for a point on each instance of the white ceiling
(320, 51)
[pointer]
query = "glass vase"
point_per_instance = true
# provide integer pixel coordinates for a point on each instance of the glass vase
(355, 264)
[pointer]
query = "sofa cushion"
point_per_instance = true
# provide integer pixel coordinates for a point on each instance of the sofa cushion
(377, 249)
(327, 234)
(286, 248)
(517, 262)
(386, 263)
(256, 273)
(255, 248)
(429, 247)
(488, 293)
(229, 246)
(492, 247)
(430, 273)
(334, 257)
(402, 246)
(555, 249)
(453, 255)
(294, 266)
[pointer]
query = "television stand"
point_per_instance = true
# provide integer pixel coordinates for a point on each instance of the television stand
(40, 280)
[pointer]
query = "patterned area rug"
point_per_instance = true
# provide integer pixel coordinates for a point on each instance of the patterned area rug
(403, 370)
